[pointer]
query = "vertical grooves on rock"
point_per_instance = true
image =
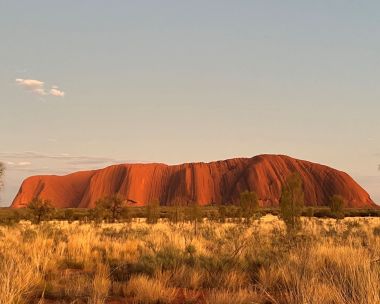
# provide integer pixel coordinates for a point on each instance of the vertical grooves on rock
(216, 182)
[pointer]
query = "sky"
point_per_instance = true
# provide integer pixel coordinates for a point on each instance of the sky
(86, 84)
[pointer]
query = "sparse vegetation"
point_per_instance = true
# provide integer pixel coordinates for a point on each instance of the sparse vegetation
(62, 262)
(230, 213)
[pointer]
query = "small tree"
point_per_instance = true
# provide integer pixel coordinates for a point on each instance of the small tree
(153, 211)
(249, 204)
(292, 202)
(176, 213)
(109, 207)
(222, 213)
(2, 169)
(337, 204)
(40, 209)
(195, 215)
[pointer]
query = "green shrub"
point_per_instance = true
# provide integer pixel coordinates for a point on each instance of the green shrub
(336, 206)
(248, 203)
(169, 258)
(109, 208)
(292, 202)
(40, 209)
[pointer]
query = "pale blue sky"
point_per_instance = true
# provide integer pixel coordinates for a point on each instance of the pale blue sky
(180, 81)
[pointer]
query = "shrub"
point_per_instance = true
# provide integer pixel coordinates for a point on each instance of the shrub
(309, 212)
(109, 207)
(125, 214)
(292, 201)
(249, 203)
(336, 205)
(40, 209)
(168, 258)
(153, 212)
(177, 212)
(222, 213)
(195, 215)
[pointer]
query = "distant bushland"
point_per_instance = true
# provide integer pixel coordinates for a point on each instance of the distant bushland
(222, 213)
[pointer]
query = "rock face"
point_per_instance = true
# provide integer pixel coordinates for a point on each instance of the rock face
(204, 183)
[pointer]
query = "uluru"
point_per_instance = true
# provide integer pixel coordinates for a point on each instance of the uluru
(218, 182)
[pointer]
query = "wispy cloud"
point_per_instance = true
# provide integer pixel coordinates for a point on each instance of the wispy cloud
(38, 87)
(71, 159)
(31, 162)
(32, 85)
(24, 163)
(55, 91)
(18, 164)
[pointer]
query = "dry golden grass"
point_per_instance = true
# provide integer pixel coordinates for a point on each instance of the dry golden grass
(328, 261)
(101, 284)
(241, 296)
(149, 290)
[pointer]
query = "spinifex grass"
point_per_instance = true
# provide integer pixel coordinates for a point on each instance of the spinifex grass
(328, 261)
